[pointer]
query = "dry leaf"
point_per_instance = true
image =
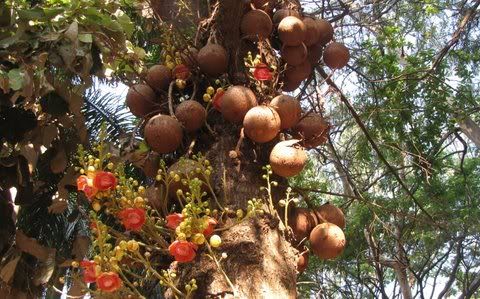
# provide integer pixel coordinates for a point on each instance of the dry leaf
(44, 270)
(31, 154)
(31, 246)
(80, 247)
(7, 271)
(49, 134)
(72, 32)
(59, 162)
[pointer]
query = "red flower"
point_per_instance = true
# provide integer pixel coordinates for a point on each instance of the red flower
(174, 220)
(89, 274)
(183, 251)
(132, 218)
(211, 225)
(109, 282)
(217, 99)
(82, 182)
(182, 72)
(104, 180)
(262, 73)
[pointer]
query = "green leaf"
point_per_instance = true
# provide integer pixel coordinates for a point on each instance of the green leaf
(39, 14)
(126, 23)
(15, 79)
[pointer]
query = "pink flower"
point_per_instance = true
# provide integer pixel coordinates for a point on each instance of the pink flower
(109, 282)
(262, 73)
(104, 180)
(174, 220)
(183, 251)
(132, 218)
(89, 274)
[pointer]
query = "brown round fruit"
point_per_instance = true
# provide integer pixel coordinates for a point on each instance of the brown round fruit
(191, 114)
(256, 24)
(236, 102)
(163, 134)
(289, 110)
(141, 100)
(159, 77)
(315, 53)
(312, 34)
(292, 31)
(189, 57)
(327, 241)
(313, 129)
(336, 55)
(288, 158)
(302, 261)
(151, 165)
(261, 124)
(330, 213)
(186, 170)
(325, 31)
(294, 55)
(281, 14)
(213, 60)
(300, 221)
(299, 72)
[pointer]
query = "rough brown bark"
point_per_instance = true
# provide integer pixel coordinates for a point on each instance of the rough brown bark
(260, 262)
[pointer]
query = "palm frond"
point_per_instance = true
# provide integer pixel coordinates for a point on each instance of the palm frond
(110, 109)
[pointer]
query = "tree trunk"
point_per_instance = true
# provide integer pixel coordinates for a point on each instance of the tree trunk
(260, 262)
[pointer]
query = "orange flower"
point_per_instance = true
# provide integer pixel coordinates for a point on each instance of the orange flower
(173, 220)
(89, 274)
(109, 282)
(182, 72)
(132, 218)
(183, 251)
(82, 182)
(211, 223)
(262, 73)
(104, 180)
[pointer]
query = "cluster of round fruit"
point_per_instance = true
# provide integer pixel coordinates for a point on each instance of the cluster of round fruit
(303, 40)
(323, 226)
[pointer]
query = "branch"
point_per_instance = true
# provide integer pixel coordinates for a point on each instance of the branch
(359, 122)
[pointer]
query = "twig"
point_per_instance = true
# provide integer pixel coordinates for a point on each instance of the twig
(170, 99)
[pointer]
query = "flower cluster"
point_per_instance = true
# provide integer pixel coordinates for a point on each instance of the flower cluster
(213, 95)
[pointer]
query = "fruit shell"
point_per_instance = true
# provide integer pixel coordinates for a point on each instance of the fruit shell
(312, 35)
(159, 77)
(300, 220)
(313, 129)
(299, 72)
(281, 14)
(288, 158)
(292, 31)
(294, 55)
(261, 124)
(327, 241)
(141, 100)
(189, 57)
(315, 53)
(336, 55)
(289, 110)
(163, 134)
(151, 165)
(236, 102)
(256, 24)
(191, 114)
(289, 85)
(325, 31)
(213, 60)
(329, 213)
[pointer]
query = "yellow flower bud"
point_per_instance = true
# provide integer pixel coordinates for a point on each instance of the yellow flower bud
(198, 239)
(210, 90)
(215, 241)
(96, 206)
(207, 98)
